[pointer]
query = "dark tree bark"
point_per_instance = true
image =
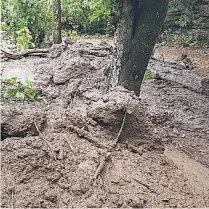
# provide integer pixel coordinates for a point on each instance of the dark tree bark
(57, 27)
(137, 31)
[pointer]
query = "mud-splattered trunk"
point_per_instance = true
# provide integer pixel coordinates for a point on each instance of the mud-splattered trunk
(56, 30)
(140, 23)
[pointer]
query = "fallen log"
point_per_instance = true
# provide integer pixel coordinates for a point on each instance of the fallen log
(28, 52)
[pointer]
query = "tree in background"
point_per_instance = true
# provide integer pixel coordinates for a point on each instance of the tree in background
(56, 24)
(137, 31)
(32, 14)
(187, 18)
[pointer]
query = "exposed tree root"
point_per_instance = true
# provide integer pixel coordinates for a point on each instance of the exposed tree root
(102, 165)
(121, 128)
(158, 77)
(108, 153)
(70, 146)
(143, 184)
(85, 135)
(43, 138)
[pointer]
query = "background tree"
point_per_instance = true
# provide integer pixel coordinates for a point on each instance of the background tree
(32, 14)
(138, 29)
(57, 27)
(186, 22)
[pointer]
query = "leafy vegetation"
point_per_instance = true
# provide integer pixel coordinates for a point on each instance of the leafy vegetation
(180, 12)
(181, 24)
(32, 14)
(29, 22)
(14, 89)
(194, 37)
(24, 39)
(81, 16)
(148, 75)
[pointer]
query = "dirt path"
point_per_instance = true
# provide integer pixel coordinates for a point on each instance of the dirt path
(52, 155)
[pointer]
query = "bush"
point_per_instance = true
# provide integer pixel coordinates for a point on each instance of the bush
(24, 39)
(194, 37)
(81, 16)
(15, 90)
(31, 14)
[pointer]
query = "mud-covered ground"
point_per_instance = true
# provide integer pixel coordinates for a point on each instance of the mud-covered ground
(65, 154)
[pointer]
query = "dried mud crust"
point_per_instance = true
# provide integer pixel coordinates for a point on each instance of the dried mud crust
(64, 154)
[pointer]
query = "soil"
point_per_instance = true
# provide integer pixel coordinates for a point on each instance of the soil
(199, 57)
(94, 146)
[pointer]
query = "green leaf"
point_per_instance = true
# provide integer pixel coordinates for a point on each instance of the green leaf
(45, 101)
(29, 83)
(11, 92)
(148, 75)
(6, 81)
(20, 95)
(13, 80)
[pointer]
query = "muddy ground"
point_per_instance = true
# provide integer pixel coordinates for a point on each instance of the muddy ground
(65, 154)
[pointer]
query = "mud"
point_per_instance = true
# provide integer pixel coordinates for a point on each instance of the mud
(51, 153)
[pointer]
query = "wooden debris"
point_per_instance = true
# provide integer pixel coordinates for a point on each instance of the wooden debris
(143, 184)
(29, 52)
(11, 189)
(70, 146)
(43, 138)
(95, 53)
(158, 77)
(121, 128)
(102, 165)
(85, 135)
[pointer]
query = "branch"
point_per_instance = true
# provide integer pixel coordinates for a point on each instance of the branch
(28, 52)
(102, 165)
(43, 138)
(158, 77)
(84, 134)
(121, 128)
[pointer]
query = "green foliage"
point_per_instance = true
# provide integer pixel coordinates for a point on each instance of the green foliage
(15, 90)
(29, 22)
(194, 37)
(100, 11)
(180, 12)
(148, 75)
(99, 16)
(76, 13)
(85, 16)
(33, 14)
(180, 23)
(24, 39)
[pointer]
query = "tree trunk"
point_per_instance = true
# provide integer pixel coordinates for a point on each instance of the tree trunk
(57, 35)
(137, 31)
